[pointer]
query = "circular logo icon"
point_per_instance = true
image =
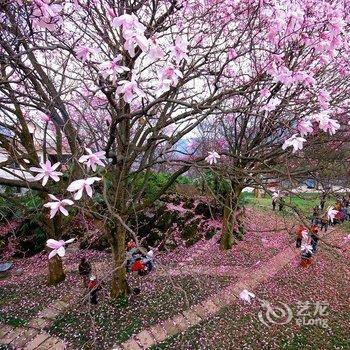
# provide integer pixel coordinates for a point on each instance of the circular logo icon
(275, 314)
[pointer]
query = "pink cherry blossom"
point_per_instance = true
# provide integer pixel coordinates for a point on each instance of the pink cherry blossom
(155, 51)
(294, 141)
(112, 68)
(326, 123)
(304, 78)
(45, 117)
(305, 127)
(128, 22)
(179, 50)
(264, 92)
(284, 75)
(46, 15)
(93, 159)
(133, 39)
(84, 52)
(212, 157)
(46, 171)
(129, 90)
(323, 99)
(271, 105)
(58, 205)
(57, 247)
(133, 33)
(232, 54)
(168, 76)
(78, 186)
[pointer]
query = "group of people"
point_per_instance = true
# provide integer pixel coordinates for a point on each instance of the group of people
(89, 280)
(333, 215)
(136, 261)
(277, 198)
(307, 239)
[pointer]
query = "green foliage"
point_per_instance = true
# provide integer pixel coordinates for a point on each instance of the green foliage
(304, 202)
(19, 206)
(151, 183)
(217, 185)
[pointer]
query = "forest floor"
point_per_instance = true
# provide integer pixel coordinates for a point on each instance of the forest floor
(314, 301)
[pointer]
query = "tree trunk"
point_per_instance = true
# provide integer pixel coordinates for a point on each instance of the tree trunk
(119, 284)
(227, 238)
(56, 273)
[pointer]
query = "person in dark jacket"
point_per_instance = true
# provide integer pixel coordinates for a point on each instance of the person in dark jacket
(84, 271)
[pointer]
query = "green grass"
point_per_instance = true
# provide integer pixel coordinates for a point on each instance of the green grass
(13, 321)
(304, 202)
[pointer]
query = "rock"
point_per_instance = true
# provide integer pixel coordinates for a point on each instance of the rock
(189, 215)
(189, 203)
(190, 232)
(5, 266)
(209, 234)
(203, 209)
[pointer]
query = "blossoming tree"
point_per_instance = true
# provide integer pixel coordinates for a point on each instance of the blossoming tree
(296, 62)
(110, 86)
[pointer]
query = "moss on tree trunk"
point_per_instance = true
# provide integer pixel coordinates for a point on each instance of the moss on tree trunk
(119, 285)
(55, 265)
(227, 239)
(56, 272)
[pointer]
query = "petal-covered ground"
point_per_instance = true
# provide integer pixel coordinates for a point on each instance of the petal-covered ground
(187, 276)
(317, 299)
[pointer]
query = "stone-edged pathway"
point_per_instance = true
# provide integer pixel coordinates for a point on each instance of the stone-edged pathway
(204, 310)
(217, 271)
(33, 336)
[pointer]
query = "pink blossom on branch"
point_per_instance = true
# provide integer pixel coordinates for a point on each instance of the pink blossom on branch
(78, 186)
(324, 98)
(112, 68)
(84, 53)
(326, 123)
(58, 205)
(294, 141)
(212, 157)
(133, 33)
(155, 51)
(133, 39)
(46, 171)
(168, 76)
(179, 50)
(129, 90)
(93, 159)
(57, 247)
(305, 127)
(128, 22)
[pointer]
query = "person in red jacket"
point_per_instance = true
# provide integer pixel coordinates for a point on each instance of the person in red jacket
(93, 288)
(299, 231)
(138, 267)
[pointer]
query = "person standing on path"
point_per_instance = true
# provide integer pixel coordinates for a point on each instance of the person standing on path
(84, 271)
